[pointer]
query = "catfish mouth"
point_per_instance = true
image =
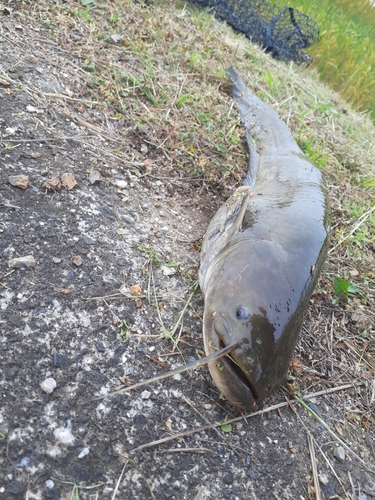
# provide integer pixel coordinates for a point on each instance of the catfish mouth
(232, 365)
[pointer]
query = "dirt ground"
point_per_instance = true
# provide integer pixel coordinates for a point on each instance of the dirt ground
(114, 262)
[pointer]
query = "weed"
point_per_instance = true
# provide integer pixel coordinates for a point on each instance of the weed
(76, 488)
(123, 327)
(152, 255)
(345, 56)
(316, 157)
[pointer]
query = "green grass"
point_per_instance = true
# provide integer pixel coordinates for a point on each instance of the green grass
(345, 56)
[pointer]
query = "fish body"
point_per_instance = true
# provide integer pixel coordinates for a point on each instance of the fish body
(261, 257)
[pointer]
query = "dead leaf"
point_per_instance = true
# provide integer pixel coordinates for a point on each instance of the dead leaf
(295, 366)
(52, 184)
(125, 381)
(292, 388)
(168, 425)
(361, 318)
(136, 290)
(148, 164)
(138, 302)
(338, 429)
(68, 181)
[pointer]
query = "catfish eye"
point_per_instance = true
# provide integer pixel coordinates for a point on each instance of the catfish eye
(242, 313)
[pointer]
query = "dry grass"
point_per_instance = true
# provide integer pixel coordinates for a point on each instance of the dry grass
(158, 74)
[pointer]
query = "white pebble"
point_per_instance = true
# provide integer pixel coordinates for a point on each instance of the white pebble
(339, 453)
(121, 184)
(32, 109)
(54, 451)
(20, 262)
(64, 435)
(48, 385)
(50, 484)
(323, 479)
(168, 271)
(145, 394)
(84, 452)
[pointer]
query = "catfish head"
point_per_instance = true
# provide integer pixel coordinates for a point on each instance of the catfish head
(254, 297)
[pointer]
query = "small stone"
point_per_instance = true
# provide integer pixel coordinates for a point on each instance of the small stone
(84, 452)
(323, 479)
(100, 346)
(31, 59)
(254, 474)
(56, 260)
(64, 435)
(168, 271)
(10, 131)
(145, 394)
(16, 488)
(21, 181)
(85, 321)
(121, 184)
(88, 240)
(59, 360)
(77, 260)
(339, 453)
(32, 109)
(10, 372)
(54, 451)
(48, 385)
(353, 272)
(49, 484)
(22, 262)
(228, 478)
(94, 177)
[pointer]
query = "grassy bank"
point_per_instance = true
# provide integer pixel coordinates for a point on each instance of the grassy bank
(345, 56)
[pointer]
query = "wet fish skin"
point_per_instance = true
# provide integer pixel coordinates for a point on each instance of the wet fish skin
(261, 257)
